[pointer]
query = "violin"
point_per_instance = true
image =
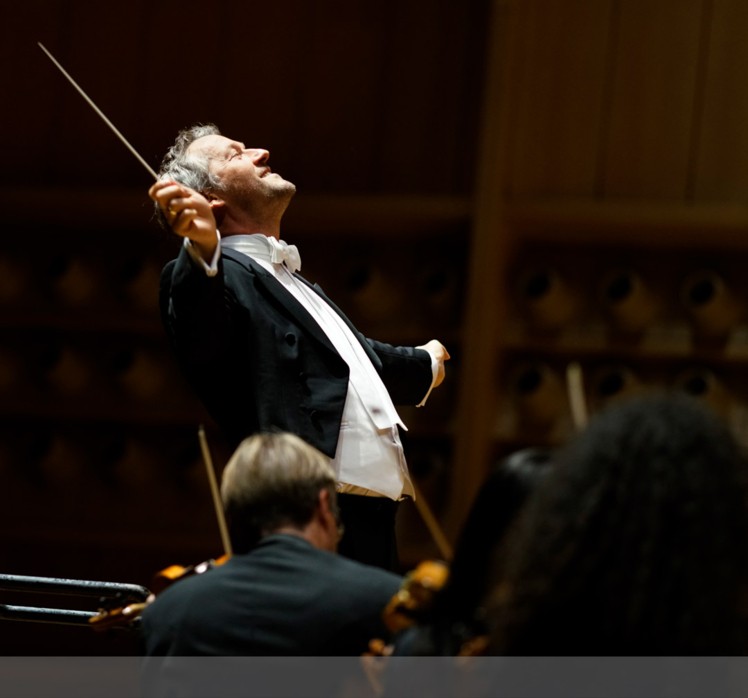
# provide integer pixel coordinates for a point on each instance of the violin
(167, 576)
(415, 598)
(129, 614)
(414, 604)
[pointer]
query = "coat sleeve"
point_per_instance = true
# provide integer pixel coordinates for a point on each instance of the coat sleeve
(406, 371)
(197, 312)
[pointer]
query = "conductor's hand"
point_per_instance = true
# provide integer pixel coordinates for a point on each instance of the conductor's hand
(189, 214)
(440, 354)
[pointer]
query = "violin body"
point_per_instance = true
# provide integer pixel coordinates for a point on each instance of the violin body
(127, 615)
(414, 605)
(415, 598)
(167, 576)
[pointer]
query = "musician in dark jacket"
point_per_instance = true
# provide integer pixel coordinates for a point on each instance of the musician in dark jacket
(265, 349)
(284, 591)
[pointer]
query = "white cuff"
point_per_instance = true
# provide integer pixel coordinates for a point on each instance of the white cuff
(434, 370)
(212, 268)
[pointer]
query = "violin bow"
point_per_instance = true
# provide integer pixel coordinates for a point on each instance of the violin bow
(218, 505)
(575, 390)
(116, 132)
(201, 432)
(445, 549)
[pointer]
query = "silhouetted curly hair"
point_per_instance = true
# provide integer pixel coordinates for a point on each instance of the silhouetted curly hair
(457, 613)
(636, 543)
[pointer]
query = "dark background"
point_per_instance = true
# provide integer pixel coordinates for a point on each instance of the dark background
(370, 108)
(533, 182)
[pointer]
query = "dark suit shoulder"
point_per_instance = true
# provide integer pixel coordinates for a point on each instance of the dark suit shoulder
(284, 597)
(295, 548)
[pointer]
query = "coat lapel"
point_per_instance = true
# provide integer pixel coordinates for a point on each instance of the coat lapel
(270, 284)
(369, 351)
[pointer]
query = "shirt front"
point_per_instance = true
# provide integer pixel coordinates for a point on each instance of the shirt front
(369, 458)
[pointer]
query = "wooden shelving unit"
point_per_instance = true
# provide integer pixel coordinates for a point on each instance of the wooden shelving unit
(616, 150)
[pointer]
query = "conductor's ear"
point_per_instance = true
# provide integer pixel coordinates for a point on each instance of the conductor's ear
(217, 206)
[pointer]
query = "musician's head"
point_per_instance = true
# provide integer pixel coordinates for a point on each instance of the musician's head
(235, 179)
(277, 483)
(636, 541)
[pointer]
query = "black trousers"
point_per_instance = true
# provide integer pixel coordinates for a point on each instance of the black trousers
(369, 535)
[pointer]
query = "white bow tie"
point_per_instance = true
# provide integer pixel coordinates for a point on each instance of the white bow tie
(281, 252)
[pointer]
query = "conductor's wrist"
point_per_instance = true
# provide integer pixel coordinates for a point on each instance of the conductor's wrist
(205, 256)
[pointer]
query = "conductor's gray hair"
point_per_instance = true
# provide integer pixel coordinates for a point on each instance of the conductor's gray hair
(188, 169)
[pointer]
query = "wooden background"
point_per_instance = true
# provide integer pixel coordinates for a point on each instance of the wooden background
(534, 182)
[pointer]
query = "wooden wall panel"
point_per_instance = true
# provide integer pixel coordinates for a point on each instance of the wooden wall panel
(28, 100)
(441, 69)
(648, 94)
(485, 307)
(183, 72)
(557, 106)
(342, 81)
(721, 164)
(353, 97)
(412, 77)
(109, 67)
(260, 65)
(653, 83)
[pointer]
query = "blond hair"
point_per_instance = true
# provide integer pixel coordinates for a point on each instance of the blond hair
(273, 480)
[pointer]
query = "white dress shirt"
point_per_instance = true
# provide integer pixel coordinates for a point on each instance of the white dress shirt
(369, 459)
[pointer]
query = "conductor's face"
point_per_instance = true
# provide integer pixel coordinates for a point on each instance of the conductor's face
(242, 171)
